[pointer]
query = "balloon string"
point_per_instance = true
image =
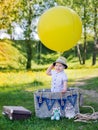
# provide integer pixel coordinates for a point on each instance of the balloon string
(60, 53)
(71, 3)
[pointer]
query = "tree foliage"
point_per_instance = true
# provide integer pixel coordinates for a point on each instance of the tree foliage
(89, 17)
(9, 12)
(27, 12)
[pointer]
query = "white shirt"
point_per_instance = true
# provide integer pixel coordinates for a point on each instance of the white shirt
(58, 79)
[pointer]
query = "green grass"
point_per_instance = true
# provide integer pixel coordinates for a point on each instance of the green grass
(45, 124)
(10, 57)
(17, 88)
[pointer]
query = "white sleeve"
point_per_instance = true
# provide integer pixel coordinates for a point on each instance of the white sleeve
(65, 78)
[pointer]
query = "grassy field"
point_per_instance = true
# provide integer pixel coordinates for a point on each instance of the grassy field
(17, 88)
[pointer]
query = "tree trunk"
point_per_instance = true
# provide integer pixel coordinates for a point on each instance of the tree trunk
(39, 49)
(94, 52)
(29, 54)
(84, 52)
(79, 54)
(95, 37)
(85, 36)
(29, 47)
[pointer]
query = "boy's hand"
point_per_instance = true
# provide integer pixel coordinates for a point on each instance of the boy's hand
(54, 64)
(65, 89)
(63, 92)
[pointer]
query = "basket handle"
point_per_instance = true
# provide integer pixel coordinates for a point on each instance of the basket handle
(40, 98)
(62, 102)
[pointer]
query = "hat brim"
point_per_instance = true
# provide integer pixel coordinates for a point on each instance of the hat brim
(61, 63)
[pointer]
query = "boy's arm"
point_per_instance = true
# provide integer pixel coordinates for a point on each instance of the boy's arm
(48, 71)
(65, 87)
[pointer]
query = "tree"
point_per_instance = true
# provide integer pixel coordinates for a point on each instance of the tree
(95, 26)
(26, 12)
(28, 15)
(85, 30)
(15, 11)
(9, 11)
(34, 10)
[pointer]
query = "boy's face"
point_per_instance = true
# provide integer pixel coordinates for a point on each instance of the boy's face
(59, 67)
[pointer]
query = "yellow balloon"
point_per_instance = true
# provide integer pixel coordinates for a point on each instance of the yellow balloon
(59, 28)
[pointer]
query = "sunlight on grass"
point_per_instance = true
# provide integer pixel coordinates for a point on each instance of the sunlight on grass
(28, 79)
(10, 78)
(10, 57)
(16, 88)
(81, 73)
(31, 80)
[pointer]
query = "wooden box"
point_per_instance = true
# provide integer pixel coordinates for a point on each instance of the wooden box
(16, 112)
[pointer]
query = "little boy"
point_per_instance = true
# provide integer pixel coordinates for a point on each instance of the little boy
(59, 77)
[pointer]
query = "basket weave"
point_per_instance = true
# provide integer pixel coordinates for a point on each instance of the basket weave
(45, 101)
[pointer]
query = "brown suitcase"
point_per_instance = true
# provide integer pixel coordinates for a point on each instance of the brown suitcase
(16, 112)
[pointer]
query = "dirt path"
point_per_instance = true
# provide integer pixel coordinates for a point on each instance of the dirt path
(89, 95)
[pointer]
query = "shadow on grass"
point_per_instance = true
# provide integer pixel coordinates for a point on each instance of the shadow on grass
(22, 86)
(89, 83)
(19, 95)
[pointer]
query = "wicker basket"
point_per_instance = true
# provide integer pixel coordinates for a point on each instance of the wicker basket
(45, 101)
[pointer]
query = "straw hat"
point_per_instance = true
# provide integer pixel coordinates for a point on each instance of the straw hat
(61, 60)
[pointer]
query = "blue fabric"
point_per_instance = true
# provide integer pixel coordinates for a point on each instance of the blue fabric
(40, 102)
(50, 103)
(60, 102)
(72, 99)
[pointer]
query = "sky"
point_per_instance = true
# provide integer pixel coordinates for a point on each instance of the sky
(18, 32)
(3, 34)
